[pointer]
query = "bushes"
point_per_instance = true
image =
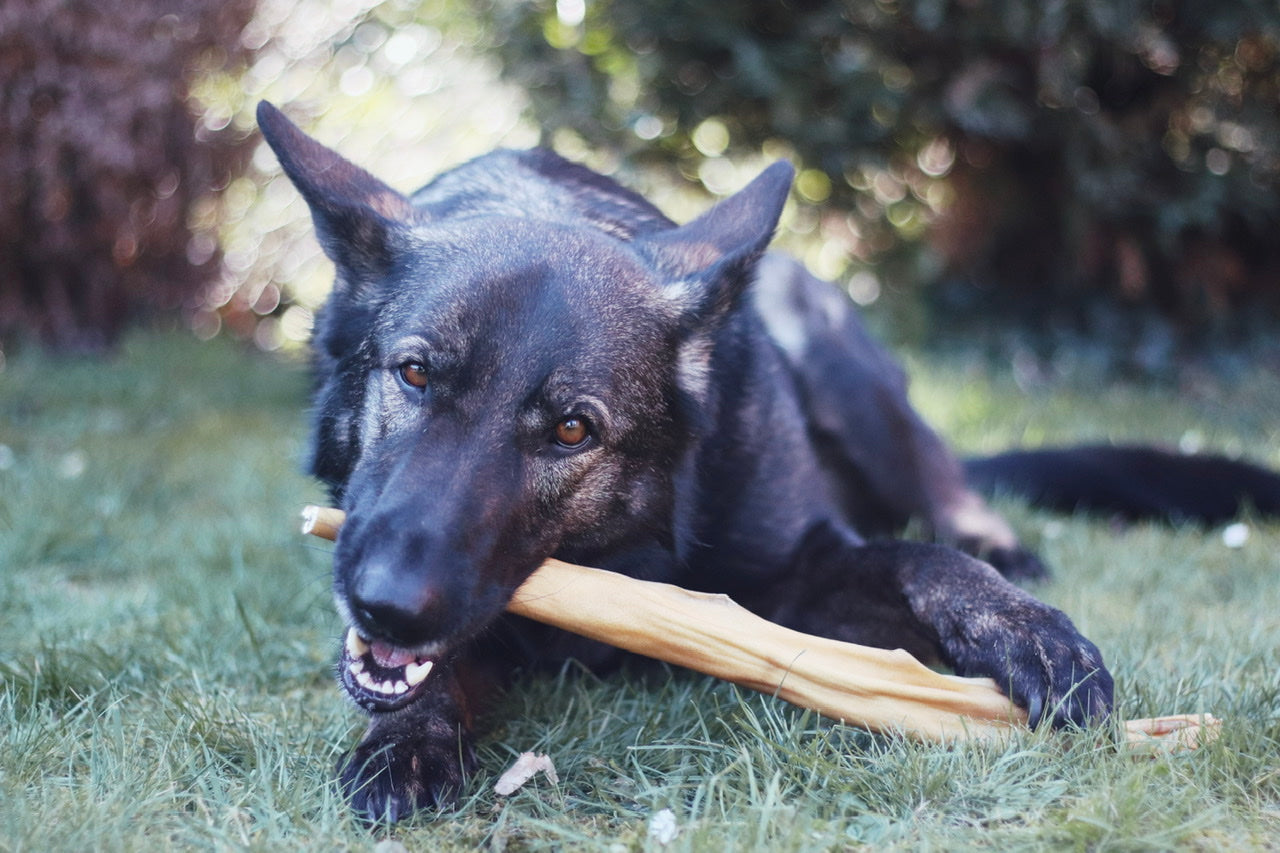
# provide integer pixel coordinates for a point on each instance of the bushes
(1055, 151)
(1068, 154)
(103, 163)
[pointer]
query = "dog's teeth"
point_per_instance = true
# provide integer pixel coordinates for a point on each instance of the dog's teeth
(401, 688)
(356, 667)
(356, 646)
(386, 688)
(416, 673)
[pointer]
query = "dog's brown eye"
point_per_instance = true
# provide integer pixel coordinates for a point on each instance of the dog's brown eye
(414, 374)
(572, 432)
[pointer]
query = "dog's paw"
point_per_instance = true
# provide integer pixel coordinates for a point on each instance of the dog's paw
(1017, 564)
(1010, 559)
(1038, 657)
(388, 778)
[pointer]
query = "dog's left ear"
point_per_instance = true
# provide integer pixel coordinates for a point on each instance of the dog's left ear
(708, 262)
(358, 218)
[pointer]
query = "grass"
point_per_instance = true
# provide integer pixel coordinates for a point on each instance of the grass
(166, 641)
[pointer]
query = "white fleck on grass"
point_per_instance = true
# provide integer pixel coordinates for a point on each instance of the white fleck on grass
(1235, 535)
(72, 465)
(662, 826)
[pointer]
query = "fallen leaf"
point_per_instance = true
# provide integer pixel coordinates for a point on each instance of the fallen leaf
(524, 769)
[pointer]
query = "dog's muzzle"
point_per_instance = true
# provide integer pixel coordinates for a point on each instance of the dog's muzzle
(381, 677)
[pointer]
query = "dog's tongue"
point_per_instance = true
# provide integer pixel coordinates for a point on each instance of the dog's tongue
(390, 657)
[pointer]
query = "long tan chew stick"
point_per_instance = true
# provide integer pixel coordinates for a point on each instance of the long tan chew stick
(884, 691)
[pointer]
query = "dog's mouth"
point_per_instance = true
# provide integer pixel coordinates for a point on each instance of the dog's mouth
(378, 676)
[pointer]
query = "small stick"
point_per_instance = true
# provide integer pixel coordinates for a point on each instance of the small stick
(876, 689)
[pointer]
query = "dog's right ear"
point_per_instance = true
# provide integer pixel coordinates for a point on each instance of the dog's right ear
(359, 219)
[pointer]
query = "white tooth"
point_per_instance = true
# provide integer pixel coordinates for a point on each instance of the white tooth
(401, 687)
(386, 687)
(364, 680)
(356, 667)
(415, 673)
(356, 646)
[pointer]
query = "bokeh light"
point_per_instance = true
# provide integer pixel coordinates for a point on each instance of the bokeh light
(396, 87)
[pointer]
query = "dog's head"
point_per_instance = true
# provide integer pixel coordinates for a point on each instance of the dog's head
(495, 388)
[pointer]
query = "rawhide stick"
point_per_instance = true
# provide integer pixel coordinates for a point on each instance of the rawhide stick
(876, 689)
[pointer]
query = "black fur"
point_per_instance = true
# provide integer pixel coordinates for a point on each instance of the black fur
(1131, 482)
(727, 448)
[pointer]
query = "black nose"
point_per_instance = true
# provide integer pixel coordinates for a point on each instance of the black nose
(404, 607)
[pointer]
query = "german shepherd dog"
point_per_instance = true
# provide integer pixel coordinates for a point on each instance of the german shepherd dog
(524, 359)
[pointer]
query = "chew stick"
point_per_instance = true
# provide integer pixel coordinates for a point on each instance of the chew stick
(876, 689)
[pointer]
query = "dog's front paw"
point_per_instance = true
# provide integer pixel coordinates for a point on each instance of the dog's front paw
(1036, 654)
(388, 777)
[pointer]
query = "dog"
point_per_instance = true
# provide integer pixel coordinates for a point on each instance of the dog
(523, 360)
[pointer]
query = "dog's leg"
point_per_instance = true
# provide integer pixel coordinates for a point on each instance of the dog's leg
(413, 758)
(955, 513)
(886, 465)
(940, 604)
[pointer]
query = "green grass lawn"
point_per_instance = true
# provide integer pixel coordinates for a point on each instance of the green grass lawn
(167, 638)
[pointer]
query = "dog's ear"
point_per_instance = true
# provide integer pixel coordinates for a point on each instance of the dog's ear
(358, 218)
(708, 262)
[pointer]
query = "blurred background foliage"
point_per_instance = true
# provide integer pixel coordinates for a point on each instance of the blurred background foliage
(1062, 163)
(1103, 170)
(398, 86)
(104, 166)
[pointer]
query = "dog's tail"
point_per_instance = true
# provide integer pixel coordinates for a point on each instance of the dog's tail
(1131, 482)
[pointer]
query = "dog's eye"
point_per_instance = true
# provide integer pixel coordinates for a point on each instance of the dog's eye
(572, 433)
(414, 374)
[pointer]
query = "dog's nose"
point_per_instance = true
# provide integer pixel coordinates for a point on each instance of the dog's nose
(400, 624)
(403, 608)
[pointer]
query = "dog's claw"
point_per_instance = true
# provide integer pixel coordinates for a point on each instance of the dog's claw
(1035, 709)
(1049, 669)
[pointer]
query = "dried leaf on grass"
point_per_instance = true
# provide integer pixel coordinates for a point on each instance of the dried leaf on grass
(524, 769)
